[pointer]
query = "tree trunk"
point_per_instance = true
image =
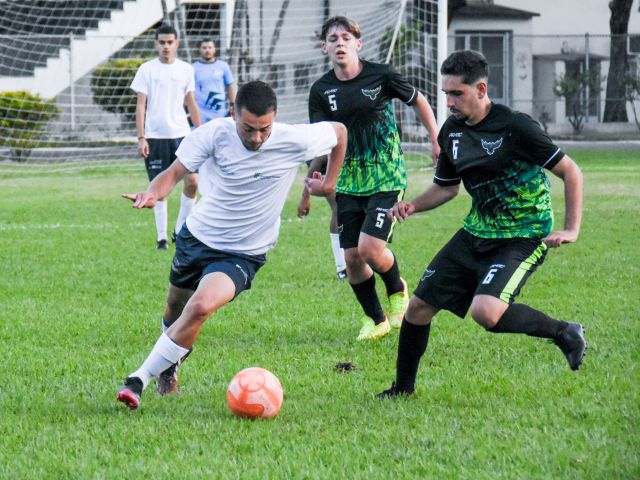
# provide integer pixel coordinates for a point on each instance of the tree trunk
(615, 109)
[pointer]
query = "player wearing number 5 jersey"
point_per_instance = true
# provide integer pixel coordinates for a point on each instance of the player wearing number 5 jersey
(500, 156)
(358, 94)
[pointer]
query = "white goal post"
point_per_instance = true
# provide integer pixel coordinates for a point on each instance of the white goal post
(66, 66)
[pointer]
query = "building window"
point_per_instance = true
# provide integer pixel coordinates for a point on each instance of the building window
(495, 47)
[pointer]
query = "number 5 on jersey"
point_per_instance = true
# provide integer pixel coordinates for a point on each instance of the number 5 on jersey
(332, 102)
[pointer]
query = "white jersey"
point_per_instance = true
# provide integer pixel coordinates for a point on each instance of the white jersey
(240, 209)
(165, 85)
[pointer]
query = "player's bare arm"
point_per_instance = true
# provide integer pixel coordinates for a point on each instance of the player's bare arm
(324, 186)
(141, 110)
(192, 107)
(431, 198)
(571, 175)
(427, 118)
(159, 188)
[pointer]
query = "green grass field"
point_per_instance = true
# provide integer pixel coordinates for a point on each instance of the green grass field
(82, 289)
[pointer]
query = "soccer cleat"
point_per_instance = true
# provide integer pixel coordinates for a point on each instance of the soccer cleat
(394, 392)
(341, 275)
(130, 392)
(398, 303)
(371, 331)
(573, 344)
(168, 380)
(174, 236)
(162, 244)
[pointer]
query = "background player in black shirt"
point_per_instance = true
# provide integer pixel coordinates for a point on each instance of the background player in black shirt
(499, 155)
(359, 94)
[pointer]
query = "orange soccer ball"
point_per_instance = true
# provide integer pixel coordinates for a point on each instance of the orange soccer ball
(255, 393)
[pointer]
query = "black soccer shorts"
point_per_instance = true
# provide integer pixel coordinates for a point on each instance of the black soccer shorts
(162, 153)
(468, 265)
(366, 214)
(193, 260)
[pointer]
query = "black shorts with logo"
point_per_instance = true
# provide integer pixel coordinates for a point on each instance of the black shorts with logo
(162, 153)
(468, 265)
(366, 214)
(193, 260)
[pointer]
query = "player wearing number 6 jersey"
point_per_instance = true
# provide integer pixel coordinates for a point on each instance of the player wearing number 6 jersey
(358, 94)
(499, 155)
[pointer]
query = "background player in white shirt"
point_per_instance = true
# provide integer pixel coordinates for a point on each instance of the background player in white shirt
(164, 86)
(252, 162)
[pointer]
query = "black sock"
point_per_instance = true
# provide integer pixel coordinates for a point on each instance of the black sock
(411, 346)
(391, 278)
(368, 298)
(521, 318)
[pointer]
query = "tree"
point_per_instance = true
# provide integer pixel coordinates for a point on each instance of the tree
(615, 106)
(573, 88)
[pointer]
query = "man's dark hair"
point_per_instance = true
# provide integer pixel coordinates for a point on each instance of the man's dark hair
(256, 97)
(206, 40)
(339, 21)
(166, 29)
(470, 65)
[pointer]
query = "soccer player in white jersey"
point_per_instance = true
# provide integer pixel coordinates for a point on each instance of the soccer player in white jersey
(253, 161)
(164, 86)
(215, 87)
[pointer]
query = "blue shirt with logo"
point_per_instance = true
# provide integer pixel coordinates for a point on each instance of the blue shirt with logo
(212, 80)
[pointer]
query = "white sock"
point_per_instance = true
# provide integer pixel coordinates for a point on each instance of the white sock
(186, 204)
(164, 354)
(338, 253)
(160, 212)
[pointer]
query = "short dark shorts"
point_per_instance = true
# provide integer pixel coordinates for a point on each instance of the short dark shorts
(162, 153)
(468, 266)
(366, 214)
(193, 260)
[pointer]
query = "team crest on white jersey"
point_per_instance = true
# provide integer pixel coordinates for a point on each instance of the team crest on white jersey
(372, 93)
(491, 147)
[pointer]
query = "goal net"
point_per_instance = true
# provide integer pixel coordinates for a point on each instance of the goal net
(66, 67)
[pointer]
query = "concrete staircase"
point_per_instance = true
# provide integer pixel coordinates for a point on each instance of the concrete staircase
(87, 52)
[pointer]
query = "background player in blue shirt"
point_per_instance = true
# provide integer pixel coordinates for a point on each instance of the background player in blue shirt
(215, 87)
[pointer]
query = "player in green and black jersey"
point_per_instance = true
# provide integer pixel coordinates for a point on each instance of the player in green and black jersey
(358, 94)
(500, 156)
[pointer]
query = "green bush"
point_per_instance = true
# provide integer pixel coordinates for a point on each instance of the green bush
(23, 117)
(110, 84)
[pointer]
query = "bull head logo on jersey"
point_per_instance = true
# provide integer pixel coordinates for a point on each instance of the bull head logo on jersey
(491, 147)
(373, 93)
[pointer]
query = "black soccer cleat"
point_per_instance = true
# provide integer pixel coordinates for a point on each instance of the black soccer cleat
(174, 236)
(395, 392)
(341, 275)
(162, 244)
(130, 392)
(573, 344)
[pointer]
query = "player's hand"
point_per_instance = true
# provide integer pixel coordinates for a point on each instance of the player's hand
(304, 206)
(401, 211)
(316, 186)
(143, 147)
(557, 238)
(141, 199)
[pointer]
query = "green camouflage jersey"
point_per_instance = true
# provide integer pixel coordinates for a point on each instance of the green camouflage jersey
(373, 161)
(501, 163)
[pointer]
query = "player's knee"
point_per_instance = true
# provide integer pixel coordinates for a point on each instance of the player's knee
(484, 315)
(418, 312)
(200, 308)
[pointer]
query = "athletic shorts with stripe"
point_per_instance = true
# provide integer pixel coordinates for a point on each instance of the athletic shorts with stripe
(468, 265)
(162, 153)
(193, 260)
(366, 214)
